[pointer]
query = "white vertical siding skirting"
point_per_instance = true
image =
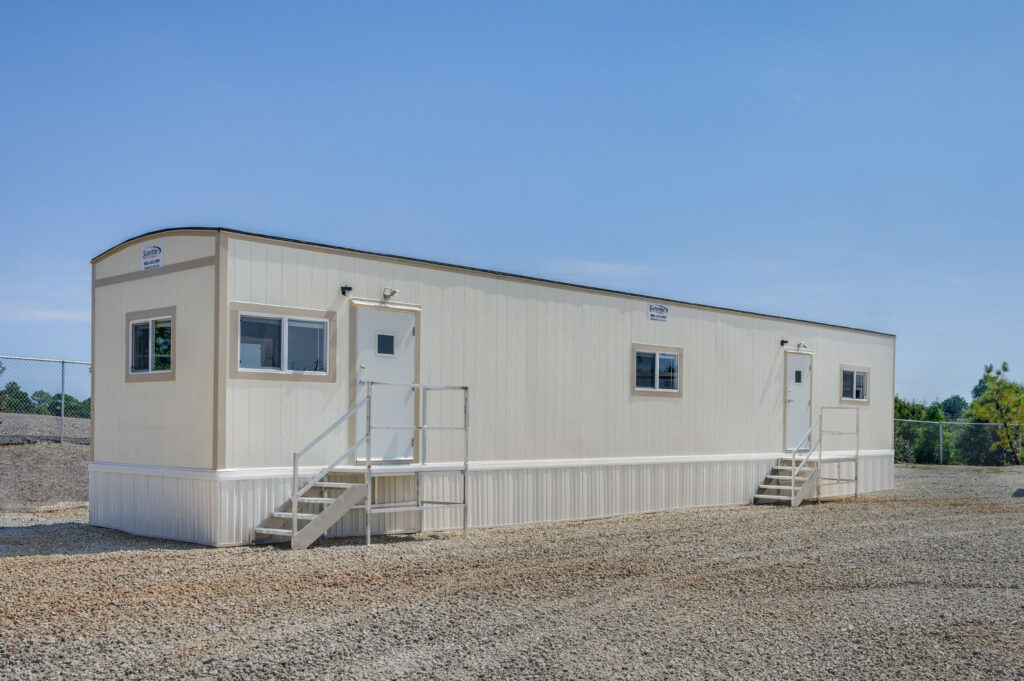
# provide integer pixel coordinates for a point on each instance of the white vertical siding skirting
(221, 508)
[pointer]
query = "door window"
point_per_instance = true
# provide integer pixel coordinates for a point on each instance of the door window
(385, 344)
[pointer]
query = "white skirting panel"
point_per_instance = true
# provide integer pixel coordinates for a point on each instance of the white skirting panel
(221, 508)
(170, 507)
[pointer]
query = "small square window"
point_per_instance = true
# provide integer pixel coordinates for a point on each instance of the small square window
(385, 344)
(855, 385)
(150, 346)
(656, 371)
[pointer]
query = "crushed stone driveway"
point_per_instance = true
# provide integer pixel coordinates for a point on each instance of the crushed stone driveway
(922, 582)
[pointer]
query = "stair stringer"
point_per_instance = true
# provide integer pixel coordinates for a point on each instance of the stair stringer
(316, 528)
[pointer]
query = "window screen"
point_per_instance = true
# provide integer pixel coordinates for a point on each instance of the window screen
(645, 370)
(259, 343)
(385, 344)
(668, 371)
(307, 345)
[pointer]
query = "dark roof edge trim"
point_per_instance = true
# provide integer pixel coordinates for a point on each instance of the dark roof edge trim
(522, 277)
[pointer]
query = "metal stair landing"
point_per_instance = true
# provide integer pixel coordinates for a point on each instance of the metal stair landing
(314, 507)
(798, 474)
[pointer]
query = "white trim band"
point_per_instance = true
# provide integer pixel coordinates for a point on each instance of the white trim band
(309, 471)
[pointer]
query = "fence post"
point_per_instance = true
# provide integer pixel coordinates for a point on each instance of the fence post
(940, 443)
(62, 365)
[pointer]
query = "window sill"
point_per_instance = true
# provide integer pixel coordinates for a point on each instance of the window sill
(149, 376)
(281, 375)
(655, 392)
(291, 372)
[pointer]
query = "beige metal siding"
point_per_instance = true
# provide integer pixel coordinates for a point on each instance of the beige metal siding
(548, 366)
(176, 249)
(167, 423)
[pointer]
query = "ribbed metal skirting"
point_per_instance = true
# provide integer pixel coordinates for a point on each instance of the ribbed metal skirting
(224, 512)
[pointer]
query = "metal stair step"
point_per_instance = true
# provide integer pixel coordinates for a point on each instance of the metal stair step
(336, 485)
(288, 516)
(773, 496)
(787, 477)
(788, 487)
(317, 500)
(274, 530)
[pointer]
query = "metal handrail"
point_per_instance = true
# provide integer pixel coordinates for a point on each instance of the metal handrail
(296, 492)
(423, 427)
(331, 427)
(806, 458)
(365, 440)
(819, 446)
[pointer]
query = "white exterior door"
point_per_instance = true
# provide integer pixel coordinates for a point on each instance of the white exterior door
(798, 399)
(386, 351)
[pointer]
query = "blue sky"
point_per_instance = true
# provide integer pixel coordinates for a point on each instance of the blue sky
(854, 163)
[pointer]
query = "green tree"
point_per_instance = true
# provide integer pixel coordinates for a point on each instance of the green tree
(1002, 403)
(84, 409)
(972, 444)
(978, 388)
(14, 399)
(41, 402)
(910, 410)
(953, 407)
(925, 447)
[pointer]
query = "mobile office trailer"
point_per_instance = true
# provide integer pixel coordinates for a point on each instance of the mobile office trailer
(219, 355)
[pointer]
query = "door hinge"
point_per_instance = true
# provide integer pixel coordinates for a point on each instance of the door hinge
(414, 331)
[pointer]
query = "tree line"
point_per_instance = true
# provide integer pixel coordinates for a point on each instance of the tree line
(995, 400)
(14, 400)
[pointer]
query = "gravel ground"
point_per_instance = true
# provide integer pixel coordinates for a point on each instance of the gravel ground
(921, 582)
(43, 474)
(23, 428)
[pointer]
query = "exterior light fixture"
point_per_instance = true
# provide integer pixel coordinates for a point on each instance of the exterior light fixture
(389, 293)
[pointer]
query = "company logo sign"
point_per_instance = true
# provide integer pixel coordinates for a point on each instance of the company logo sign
(152, 257)
(657, 312)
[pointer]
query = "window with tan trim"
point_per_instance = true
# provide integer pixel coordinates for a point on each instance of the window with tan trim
(149, 346)
(282, 343)
(855, 385)
(656, 370)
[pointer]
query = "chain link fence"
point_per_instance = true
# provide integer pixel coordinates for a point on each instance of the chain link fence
(953, 442)
(44, 400)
